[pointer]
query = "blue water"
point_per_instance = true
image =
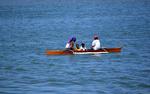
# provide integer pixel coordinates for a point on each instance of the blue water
(29, 27)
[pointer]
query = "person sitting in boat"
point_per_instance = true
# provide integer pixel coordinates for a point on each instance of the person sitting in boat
(83, 48)
(77, 47)
(96, 43)
(70, 44)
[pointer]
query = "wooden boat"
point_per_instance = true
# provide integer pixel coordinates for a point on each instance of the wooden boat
(88, 51)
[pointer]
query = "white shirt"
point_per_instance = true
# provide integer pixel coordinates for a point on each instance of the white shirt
(83, 48)
(96, 44)
(67, 45)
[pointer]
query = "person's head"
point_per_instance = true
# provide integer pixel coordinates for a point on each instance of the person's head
(82, 44)
(95, 37)
(77, 46)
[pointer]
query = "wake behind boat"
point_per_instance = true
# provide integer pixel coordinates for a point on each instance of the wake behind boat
(88, 51)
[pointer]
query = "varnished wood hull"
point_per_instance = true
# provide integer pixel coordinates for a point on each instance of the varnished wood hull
(88, 51)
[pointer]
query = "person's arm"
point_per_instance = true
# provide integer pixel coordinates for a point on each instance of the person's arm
(93, 44)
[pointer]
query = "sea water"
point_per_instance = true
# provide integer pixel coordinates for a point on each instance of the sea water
(29, 27)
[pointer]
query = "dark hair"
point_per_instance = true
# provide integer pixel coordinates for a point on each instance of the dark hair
(96, 38)
(82, 44)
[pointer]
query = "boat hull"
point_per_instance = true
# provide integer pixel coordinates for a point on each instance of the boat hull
(88, 51)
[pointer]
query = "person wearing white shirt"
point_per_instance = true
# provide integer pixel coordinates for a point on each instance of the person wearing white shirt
(83, 47)
(96, 43)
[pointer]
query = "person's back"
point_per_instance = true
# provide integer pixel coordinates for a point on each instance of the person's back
(96, 43)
